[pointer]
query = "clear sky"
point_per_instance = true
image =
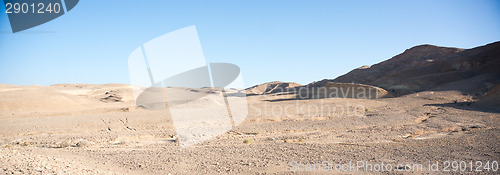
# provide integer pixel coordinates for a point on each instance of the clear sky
(300, 41)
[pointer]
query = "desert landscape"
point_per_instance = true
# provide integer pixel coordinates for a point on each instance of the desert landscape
(432, 104)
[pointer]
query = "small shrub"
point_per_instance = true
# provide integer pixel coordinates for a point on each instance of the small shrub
(26, 144)
(248, 141)
(83, 143)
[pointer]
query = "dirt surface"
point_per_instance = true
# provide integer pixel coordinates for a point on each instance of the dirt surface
(79, 129)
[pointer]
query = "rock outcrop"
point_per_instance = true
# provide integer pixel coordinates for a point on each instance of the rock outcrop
(341, 90)
(428, 67)
(271, 87)
(492, 98)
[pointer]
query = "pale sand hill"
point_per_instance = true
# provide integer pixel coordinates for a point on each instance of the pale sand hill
(80, 133)
(63, 98)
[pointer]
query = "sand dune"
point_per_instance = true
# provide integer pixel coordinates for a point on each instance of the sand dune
(62, 98)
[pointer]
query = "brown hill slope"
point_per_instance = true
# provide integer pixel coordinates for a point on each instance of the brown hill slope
(271, 87)
(341, 90)
(428, 67)
(492, 98)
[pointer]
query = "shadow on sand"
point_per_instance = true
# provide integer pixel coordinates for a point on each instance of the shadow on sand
(468, 106)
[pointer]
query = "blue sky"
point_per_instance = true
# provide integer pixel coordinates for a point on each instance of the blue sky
(300, 41)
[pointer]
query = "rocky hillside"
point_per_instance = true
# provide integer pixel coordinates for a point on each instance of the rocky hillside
(427, 67)
(271, 87)
(492, 98)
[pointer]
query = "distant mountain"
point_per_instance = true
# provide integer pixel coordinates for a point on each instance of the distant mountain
(428, 67)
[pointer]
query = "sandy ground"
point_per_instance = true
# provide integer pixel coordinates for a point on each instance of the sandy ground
(97, 129)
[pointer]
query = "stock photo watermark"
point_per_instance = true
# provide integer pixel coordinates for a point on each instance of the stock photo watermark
(378, 167)
(169, 73)
(205, 100)
(25, 14)
(322, 107)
